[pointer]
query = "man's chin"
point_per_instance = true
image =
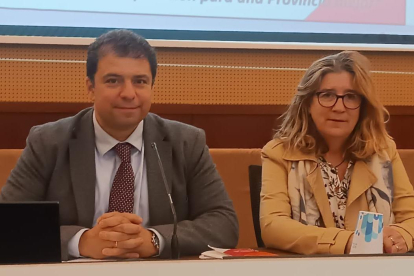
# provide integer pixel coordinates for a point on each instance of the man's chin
(127, 123)
(128, 111)
(126, 120)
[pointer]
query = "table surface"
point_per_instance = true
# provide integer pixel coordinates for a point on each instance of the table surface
(284, 265)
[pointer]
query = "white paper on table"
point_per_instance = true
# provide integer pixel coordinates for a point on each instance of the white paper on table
(216, 253)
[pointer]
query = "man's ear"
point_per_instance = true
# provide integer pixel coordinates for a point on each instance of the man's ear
(90, 87)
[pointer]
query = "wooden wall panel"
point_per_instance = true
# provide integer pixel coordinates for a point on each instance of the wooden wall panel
(236, 130)
(15, 126)
(234, 94)
(225, 126)
(39, 73)
(401, 129)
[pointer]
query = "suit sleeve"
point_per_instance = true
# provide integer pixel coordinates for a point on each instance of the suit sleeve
(212, 219)
(403, 200)
(29, 180)
(278, 229)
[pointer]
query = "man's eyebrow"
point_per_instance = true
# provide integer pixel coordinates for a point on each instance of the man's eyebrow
(134, 76)
(111, 75)
(142, 76)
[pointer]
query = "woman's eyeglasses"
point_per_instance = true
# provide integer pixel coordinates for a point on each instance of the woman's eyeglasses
(329, 99)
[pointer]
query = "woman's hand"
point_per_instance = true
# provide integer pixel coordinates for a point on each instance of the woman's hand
(393, 241)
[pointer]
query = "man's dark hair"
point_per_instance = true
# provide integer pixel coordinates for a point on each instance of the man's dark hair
(122, 43)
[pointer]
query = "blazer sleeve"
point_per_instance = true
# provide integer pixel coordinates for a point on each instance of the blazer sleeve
(278, 229)
(403, 200)
(212, 219)
(29, 180)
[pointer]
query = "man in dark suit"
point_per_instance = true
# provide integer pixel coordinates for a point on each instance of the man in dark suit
(102, 166)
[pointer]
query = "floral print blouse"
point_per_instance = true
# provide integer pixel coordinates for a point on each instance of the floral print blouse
(336, 189)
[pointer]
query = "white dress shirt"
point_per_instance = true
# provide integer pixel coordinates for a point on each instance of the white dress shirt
(106, 164)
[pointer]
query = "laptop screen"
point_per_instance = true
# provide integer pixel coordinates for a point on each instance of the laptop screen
(29, 232)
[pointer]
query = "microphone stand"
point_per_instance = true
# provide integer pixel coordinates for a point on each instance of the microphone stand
(175, 247)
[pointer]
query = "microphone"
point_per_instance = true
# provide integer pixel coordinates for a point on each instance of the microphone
(175, 247)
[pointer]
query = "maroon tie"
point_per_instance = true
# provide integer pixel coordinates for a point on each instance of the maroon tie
(121, 198)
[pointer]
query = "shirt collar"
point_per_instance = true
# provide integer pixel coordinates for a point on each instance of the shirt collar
(105, 142)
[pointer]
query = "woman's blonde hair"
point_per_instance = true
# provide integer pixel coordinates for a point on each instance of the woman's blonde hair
(369, 135)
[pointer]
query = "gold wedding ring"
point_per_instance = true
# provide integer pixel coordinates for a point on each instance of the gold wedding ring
(396, 246)
(393, 242)
(116, 244)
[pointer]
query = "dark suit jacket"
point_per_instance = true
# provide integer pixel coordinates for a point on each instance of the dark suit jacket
(58, 164)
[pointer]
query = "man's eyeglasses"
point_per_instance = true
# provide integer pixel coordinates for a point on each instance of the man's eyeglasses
(329, 99)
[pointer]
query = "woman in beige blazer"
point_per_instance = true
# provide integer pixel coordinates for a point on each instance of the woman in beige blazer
(330, 159)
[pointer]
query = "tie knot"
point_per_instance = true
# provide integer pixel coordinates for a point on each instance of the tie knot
(124, 151)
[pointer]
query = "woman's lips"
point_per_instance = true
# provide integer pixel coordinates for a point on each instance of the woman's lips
(337, 120)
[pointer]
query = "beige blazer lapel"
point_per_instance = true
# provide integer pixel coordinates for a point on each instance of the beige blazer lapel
(315, 180)
(361, 180)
